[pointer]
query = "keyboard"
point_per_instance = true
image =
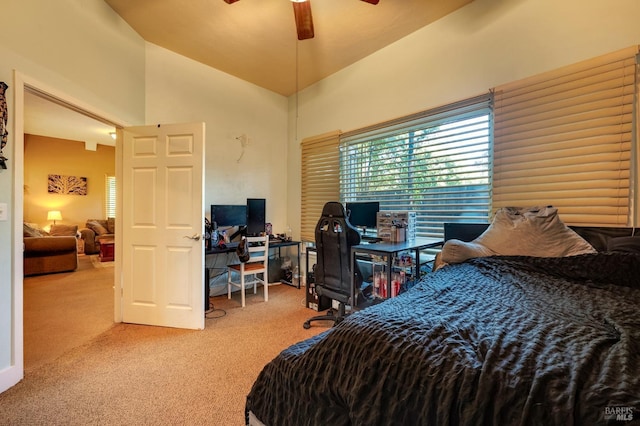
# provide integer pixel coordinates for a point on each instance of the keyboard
(367, 239)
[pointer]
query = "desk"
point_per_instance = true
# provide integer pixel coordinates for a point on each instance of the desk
(389, 250)
(231, 248)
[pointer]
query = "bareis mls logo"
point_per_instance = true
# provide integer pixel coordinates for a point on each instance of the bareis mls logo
(619, 413)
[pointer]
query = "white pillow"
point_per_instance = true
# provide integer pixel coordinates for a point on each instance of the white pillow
(457, 251)
(516, 231)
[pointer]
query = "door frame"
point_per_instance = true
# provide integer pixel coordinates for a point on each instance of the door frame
(22, 82)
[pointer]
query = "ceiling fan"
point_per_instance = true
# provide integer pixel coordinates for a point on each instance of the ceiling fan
(302, 13)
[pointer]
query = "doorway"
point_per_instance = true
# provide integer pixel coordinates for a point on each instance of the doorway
(82, 301)
(65, 310)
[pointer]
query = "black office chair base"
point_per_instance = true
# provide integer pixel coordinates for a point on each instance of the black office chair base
(331, 315)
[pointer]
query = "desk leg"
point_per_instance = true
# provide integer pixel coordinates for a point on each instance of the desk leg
(299, 267)
(306, 272)
(354, 302)
(389, 274)
(207, 291)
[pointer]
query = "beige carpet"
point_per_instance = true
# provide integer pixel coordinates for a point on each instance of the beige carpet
(139, 375)
(63, 311)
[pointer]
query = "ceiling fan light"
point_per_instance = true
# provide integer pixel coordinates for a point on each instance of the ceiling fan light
(298, 1)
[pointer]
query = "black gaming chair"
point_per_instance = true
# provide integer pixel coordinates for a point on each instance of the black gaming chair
(334, 238)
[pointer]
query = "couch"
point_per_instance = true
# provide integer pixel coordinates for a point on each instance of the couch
(94, 230)
(55, 251)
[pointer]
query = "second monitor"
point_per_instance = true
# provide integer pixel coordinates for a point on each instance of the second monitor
(363, 214)
(256, 216)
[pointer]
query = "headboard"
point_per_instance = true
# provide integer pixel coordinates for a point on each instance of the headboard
(596, 236)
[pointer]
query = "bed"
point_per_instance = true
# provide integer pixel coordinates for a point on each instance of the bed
(498, 339)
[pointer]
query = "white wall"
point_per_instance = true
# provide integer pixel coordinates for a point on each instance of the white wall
(484, 44)
(84, 50)
(182, 90)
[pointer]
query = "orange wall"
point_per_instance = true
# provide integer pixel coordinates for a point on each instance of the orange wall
(44, 156)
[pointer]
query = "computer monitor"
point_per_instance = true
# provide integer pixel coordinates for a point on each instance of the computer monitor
(363, 214)
(256, 213)
(229, 215)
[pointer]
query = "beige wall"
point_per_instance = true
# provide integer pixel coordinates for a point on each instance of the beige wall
(182, 90)
(44, 156)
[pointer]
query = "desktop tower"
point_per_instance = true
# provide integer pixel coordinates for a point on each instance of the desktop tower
(315, 302)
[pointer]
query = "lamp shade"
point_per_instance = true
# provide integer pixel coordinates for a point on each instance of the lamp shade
(54, 215)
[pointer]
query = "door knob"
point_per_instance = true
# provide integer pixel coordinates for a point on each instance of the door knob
(195, 237)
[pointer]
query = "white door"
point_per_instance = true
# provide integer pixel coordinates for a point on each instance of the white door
(162, 219)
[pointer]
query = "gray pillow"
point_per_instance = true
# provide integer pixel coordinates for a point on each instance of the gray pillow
(32, 230)
(517, 231)
(64, 230)
(457, 251)
(97, 228)
(111, 225)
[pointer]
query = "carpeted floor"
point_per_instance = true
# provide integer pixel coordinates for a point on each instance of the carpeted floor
(62, 311)
(138, 375)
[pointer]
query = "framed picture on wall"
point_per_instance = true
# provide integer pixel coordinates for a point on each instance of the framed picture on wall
(69, 185)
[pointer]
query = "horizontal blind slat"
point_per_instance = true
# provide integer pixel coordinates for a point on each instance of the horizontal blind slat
(564, 138)
(570, 72)
(320, 165)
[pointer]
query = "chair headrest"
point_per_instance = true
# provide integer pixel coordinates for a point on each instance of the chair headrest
(334, 209)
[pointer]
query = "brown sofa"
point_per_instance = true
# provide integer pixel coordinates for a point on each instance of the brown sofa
(94, 230)
(48, 253)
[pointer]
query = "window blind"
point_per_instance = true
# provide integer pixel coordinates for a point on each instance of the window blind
(564, 138)
(435, 163)
(110, 196)
(320, 179)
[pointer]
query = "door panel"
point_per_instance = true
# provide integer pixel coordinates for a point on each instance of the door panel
(163, 250)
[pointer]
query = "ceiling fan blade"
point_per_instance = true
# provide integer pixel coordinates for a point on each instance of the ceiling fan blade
(304, 20)
(230, 1)
(368, 1)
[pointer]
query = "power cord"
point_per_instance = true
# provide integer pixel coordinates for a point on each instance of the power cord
(215, 272)
(212, 310)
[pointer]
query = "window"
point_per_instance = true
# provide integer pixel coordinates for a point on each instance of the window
(436, 163)
(110, 196)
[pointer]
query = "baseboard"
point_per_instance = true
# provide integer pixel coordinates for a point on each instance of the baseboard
(10, 377)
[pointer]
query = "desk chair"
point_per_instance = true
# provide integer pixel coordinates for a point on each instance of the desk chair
(258, 263)
(334, 238)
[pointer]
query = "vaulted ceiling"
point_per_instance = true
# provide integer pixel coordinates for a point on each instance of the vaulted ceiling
(256, 40)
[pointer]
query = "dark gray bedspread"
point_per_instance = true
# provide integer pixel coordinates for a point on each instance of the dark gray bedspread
(499, 341)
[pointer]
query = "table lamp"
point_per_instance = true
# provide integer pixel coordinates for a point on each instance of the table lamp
(54, 215)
